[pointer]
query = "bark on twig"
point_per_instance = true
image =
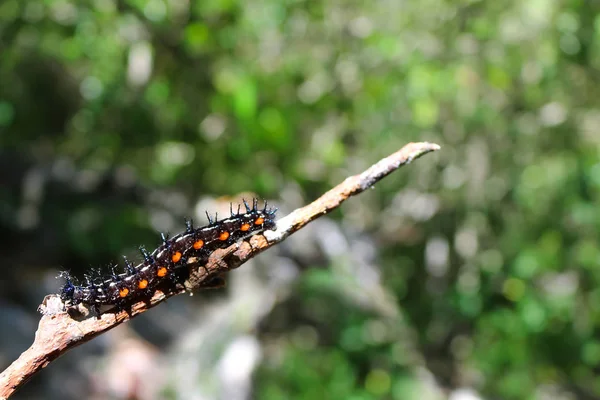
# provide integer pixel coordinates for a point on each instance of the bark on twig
(58, 332)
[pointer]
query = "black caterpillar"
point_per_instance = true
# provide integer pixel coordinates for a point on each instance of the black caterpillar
(167, 265)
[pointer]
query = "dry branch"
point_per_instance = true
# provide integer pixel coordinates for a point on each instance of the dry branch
(58, 331)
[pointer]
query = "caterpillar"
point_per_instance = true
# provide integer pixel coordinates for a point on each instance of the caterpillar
(166, 266)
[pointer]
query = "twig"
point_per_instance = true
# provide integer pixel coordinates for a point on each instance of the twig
(58, 332)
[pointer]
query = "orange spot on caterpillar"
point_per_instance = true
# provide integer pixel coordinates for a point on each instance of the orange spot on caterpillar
(245, 227)
(198, 244)
(162, 271)
(259, 221)
(224, 236)
(176, 257)
(123, 292)
(143, 284)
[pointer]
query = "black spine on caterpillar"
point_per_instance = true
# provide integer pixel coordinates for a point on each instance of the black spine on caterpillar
(163, 266)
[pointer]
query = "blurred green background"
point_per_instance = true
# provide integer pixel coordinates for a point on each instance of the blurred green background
(471, 274)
